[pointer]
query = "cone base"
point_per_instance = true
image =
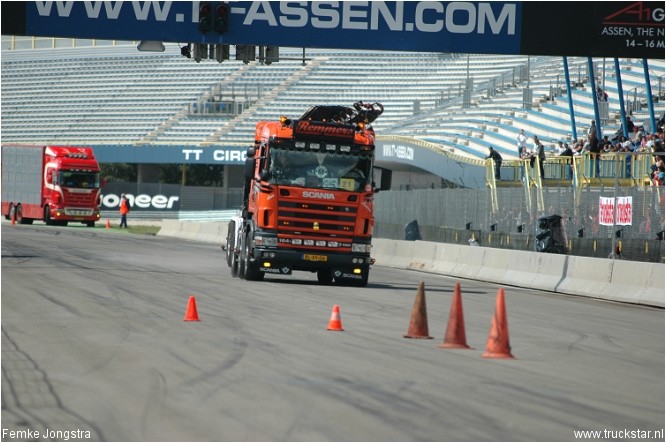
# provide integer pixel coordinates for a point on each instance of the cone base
(497, 355)
(418, 336)
(454, 346)
(334, 329)
(191, 319)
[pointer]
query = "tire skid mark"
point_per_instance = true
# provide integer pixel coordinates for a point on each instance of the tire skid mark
(29, 397)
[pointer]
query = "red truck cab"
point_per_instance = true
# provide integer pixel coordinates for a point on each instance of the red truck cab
(57, 184)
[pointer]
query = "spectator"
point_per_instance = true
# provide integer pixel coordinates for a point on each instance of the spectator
(593, 129)
(567, 152)
(630, 125)
(601, 95)
(497, 158)
(522, 144)
(595, 150)
(539, 151)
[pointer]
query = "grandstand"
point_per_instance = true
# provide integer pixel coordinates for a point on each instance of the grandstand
(115, 95)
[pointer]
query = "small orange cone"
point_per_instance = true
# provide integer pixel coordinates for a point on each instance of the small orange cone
(498, 338)
(14, 217)
(335, 323)
(455, 337)
(108, 224)
(418, 324)
(191, 314)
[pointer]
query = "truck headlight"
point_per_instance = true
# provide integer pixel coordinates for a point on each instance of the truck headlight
(260, 240)
(363, 248)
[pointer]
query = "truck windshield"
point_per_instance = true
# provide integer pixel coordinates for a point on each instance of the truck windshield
(79, 179)
(349, 172)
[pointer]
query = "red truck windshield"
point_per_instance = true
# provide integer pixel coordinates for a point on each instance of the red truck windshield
(349, 172)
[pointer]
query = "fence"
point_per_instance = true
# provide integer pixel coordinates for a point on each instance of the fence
(501, 217)
(471, 216)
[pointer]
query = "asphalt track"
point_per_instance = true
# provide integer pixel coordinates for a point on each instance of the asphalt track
(94, 344)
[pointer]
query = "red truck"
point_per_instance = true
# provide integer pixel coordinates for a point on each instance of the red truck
(57, 184)
(309, 198)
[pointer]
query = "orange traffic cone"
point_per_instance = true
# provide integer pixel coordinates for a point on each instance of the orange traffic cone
(418, 324)
(498, 338)
(335, 323)
(108, 224)
(455, 331)
(191, 314)
(13, 217)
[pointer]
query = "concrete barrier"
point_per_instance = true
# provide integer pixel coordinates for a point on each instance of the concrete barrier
(617, 280)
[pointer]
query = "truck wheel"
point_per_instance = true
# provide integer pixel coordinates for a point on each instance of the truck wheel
(19, 215)
(231, 230)
(90, 224)
(11, 212)
(47, 216)
(324, 276)
(251, 270)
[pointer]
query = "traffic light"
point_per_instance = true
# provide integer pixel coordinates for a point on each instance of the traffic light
(222, 17)
(272, 54)
(205, 16)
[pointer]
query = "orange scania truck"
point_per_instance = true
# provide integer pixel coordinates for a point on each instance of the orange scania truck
(57, 184)
(309, 197)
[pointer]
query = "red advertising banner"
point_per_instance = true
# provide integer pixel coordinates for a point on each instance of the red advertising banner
(624, 211)
(611, 214)
(606, 211)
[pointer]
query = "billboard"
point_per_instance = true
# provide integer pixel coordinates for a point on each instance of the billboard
(611, 29)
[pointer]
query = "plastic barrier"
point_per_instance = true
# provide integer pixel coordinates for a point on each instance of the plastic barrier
(617, 280)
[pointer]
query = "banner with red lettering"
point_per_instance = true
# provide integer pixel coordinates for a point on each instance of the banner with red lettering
(611, 214)
(624, 210)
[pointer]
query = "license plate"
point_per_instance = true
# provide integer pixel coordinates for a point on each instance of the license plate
(312, 257)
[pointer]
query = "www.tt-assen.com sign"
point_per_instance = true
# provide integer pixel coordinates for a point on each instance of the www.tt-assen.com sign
(611, 214)
(487, 27)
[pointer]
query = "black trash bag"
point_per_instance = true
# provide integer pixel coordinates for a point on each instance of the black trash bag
(412, 232)
(550, 235)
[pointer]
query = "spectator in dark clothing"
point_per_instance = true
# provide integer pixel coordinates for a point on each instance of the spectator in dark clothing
(630, 125)
(497, 158)
(595, 150)
(539, 151)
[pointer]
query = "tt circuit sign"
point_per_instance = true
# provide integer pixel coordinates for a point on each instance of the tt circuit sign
(170, 154)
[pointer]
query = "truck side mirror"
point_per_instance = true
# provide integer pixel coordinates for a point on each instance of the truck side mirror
(385, 176)
(265, 175)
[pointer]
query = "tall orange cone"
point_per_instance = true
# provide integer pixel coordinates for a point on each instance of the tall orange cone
(108, 224)
(498, 338)
(335, 323)
(455, 337)
(418, 324)
(191, 314)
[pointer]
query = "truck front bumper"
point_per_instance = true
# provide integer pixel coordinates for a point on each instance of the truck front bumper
(283, 261)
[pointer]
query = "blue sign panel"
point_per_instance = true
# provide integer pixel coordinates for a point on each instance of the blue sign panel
(488, 27)
(170, 154)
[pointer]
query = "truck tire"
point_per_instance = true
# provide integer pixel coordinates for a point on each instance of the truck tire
(47, 216)
(250, 270)
(19, 215)
(90, 224)
(231, 230)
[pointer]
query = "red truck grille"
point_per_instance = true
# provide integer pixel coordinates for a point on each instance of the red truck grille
(332, 224)
(82, 199)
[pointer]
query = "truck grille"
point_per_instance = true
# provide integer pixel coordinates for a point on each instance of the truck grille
(330, 223)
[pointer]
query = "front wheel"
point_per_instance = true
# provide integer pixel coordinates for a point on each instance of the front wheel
(250, 269)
